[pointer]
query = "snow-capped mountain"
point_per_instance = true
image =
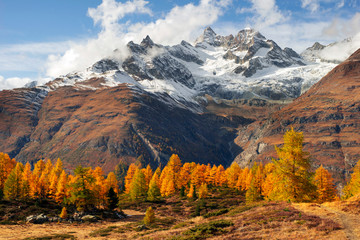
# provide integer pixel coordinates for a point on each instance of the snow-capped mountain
(336, 52)
(229, 67)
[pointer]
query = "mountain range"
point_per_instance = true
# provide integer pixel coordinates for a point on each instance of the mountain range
(221, 99)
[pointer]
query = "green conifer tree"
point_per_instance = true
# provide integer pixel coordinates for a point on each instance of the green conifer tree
(13, 183)
(153, 193)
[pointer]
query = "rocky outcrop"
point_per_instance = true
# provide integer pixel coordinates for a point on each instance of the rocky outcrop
(328, 115)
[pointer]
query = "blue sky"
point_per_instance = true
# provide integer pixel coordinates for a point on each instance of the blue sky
(41, 39)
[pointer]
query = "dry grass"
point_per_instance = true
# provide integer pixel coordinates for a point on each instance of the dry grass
(223, 216)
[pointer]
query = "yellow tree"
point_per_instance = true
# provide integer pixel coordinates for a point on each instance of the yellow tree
(13, 184)
(241, 183)
(167, 186)
(53, 184)
(325, 187)
(129, 176)
(293, 170)
(174, 166)
(220, 176)
(185, 175)
(192, 191)
(207, 174)
(148, 174)
(352, 188)
(259, 178)
(61, 190)
(6, 166)
(213, 175)
(112, 182)
(26, 180)
(58, 168)
(203, 191)
(99, 187)
(198, 176)
(232, 174)
(36, 186)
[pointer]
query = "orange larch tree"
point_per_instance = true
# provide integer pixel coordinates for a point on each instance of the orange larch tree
(61, 191)
(6, 166)
(325, 188)
(129, 176)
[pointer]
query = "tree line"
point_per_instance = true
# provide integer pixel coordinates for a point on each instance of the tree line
(287, 178)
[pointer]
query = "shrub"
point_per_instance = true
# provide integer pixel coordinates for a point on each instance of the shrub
(63, 213)
(209, 229)
(216, 213)
(149, 216)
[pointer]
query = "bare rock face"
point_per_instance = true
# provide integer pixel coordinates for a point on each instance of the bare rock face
(329, 116)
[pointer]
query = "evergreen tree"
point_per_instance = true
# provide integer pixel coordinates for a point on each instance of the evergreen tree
(112, 199)
(120, 173)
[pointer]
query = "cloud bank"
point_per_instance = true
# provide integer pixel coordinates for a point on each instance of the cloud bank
(181, 23)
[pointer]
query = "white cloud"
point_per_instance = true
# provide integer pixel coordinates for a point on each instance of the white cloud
(266, 13)
(341, 4)
(342, 28)
(10, 83)
(28, 57)
(312, 5)
(342, 50)
(109, 12)
(181, 23)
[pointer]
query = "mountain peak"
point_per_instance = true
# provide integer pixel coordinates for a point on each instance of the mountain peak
(147, 42)
(209, 31)
(317, 46)
(208, 36)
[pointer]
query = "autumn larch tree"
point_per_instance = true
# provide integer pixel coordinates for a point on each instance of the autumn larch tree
(6, 166)
(129, 176)
(153, 193)
(137, 187)
(13, 184)
(149, 216)
(203, 191)
(352, 188)
(293, 170)
(61, 189)
(82, 194)
(26, 180)
(325, 188)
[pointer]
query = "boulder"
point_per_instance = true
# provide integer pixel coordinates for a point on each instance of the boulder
(89, 218)
(37, 219)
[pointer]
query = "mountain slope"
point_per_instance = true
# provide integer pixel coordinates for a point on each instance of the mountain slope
(158, 100)
(329, 116)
